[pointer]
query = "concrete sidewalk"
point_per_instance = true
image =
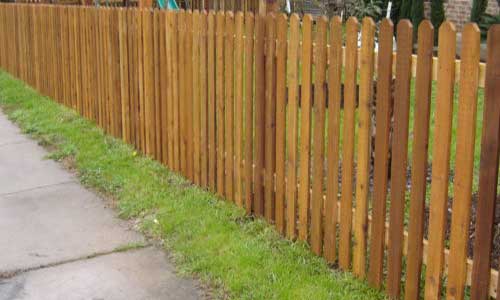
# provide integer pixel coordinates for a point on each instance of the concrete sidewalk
(60, 241)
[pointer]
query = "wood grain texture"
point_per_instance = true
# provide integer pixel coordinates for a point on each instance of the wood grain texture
(158, 131)
(204, 134)
(364, 146)
(124, 75)
(318, 159)
(229, 107)
(281, 61)
(211, 89)
(188, 96)
(270, 117)
(165, 82)
(384, 104)
(292, 129)
(350, 75)
(219, 94)
(249, 110)
(464, 163)
(148, 82)
(196, 98)
(419, 159)
(305, 128)
(259, 104)
(332, 179)
(488, 170)
(238, 108)
(399, 156)
(441, 160)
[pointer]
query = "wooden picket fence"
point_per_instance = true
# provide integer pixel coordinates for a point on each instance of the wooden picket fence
(265, 110)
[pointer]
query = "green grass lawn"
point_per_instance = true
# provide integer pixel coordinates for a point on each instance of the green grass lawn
(236, 255)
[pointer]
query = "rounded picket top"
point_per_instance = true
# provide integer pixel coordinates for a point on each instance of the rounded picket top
(335, 30)
(352, 21)
(307, 18)
(240, 15)
(425, 28)
(322, 21)
(249, 17)
(471, 36)
(470, 28)
(368, 21)
(494, 30)
(281, 17)
(294, 18)
(447, 28)
(282, 28)
(335, 21)
(386, 23)
(405, 24)
(386, 29)
(493, 43)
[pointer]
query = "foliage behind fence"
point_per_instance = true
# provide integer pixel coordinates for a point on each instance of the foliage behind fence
(277, 114)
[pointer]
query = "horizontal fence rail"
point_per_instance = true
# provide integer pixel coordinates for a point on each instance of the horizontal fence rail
(296, 122)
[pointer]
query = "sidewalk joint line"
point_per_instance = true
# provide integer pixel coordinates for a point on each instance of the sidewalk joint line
(13, 273)
(37, 188)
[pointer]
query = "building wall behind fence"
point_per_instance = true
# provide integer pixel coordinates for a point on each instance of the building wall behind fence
(278, 115)
(458, 11)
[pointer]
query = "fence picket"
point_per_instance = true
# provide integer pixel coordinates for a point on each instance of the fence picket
(148, 81)
(318, 160)
(203, 101)
(196, 98)
(466, 131)
(229, 106)
(176, 92)
(292, 130)
(188, 96)
(305, 127)
(140, 71)
(334, 99)
(249, 110)
(219, 94)
(212, 103)
(165, 82)
(259, 104)
(399, 156)
(419, 161)
(384, 104)
(363, 159)
(488, 173)
(441, 159)
(124, 75)
(181, 81)
(281, 60)
(133, 76)
(270, 117)
(238, 110)
(158, 129)
(351, 60)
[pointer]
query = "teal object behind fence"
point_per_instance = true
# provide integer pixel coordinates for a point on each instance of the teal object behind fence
(172, 4)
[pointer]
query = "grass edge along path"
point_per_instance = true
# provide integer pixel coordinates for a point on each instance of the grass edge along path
(241, 258)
